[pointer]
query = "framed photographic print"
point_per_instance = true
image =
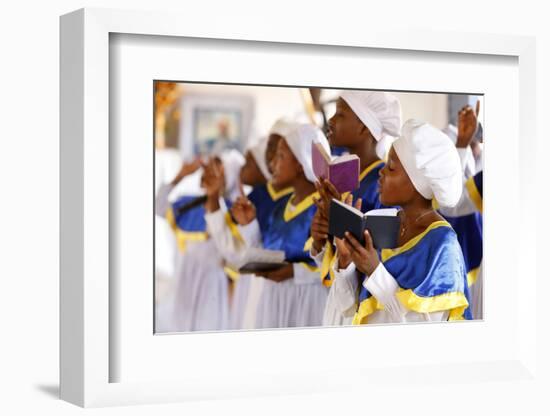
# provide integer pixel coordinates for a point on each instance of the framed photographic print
(116, 146)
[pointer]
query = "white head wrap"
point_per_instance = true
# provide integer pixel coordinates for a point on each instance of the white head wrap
(282, 126)
(379, 111)
(232, 161)
(300, 139)
(431, 161)
(258, 153)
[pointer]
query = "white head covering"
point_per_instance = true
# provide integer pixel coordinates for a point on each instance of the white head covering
(431, 161)
(379, 111)
(300, 139)
(282, 126)
(232, 161)
(258, 153)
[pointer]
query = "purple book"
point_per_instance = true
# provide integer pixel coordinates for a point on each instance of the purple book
(341, 171)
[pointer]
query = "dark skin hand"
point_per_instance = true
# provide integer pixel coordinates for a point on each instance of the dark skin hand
(213, 180)
(284, 273)
(243, 210)
(467, 125)
(187, 169)
(416, 215)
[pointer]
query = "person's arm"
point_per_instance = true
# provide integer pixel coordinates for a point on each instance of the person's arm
(341, 301)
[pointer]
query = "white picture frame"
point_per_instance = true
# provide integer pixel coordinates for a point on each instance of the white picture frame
(86, 299)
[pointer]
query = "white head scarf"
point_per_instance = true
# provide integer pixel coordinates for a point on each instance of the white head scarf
(258, 153)
(431, 161)
(232, 161)
(379, 111)
(282, 126)
(300, 139)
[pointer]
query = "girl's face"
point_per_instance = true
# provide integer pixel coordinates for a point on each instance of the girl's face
(395, 186)
(250, 173)
(345, 128)
(272, 142)
(286, 167)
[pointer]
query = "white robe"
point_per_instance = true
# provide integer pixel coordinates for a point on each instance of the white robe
(294, 302)
(248, 287)
(200, 298)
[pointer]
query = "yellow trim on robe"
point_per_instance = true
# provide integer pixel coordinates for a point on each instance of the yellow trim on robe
(182, 237)
(301, 207)
(474, 194)
(370, 167)
(435, 204)
(472, 276)
(454, 302)
(388, 253)
(366, 308)
(308, 244)
(233, 228)
(231, 273)
(276, 195)
(326, 263)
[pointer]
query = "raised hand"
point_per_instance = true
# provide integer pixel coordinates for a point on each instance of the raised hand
(243, 210)
(213, 179)
(187, 169)
(319, 230)
(467, 125)
(344, 253)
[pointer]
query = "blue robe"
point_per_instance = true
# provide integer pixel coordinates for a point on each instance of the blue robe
(265, 198)
(431, 273)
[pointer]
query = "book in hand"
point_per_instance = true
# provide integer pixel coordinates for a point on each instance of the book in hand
(382, 224)
(341, 171)
(258, 260)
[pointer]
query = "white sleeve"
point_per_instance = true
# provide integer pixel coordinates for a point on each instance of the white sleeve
(161, 201)
(467, 160)
(383, 286)
(251, 234)
(317, 257)
(226, 243)
(341, 301)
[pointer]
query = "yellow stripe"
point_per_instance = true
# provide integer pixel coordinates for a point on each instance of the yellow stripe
(472, 276)
(233, 228)
(327, 259)
(301, 207)
(388, 253)
(369, 168)
(366, 308)
(308, 244)
(454, 302)
(182, 237)
(233, 274)
(474, 194)
(276, 195)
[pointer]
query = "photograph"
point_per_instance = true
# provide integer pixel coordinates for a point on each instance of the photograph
(293, 207)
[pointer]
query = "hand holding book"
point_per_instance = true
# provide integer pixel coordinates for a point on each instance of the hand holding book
(364, 257)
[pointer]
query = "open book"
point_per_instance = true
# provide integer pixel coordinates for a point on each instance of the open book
(382, 224)
(341, 171)
(257, 260)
